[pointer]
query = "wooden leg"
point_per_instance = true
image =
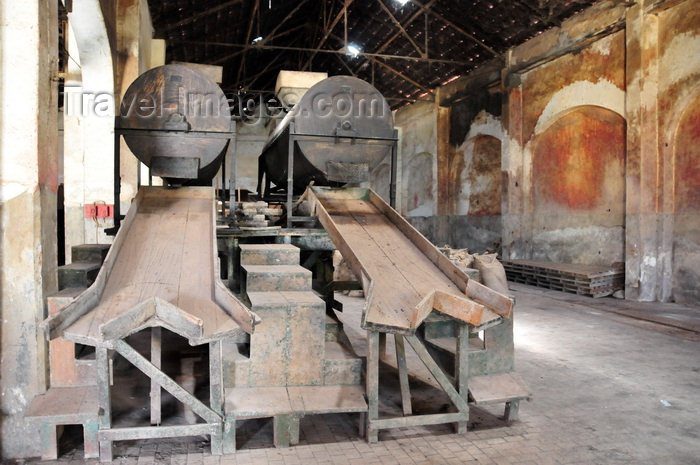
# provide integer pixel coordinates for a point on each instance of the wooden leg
(104, 403)
(512, 410)
(382, 345)
(403, 374)
(229, 436)
(91, 446)
(280, 426)
(49, 448)
(372, 387)
(438, 374)
(462, 369)
(294, 421)
(362, 427)
(156, 334)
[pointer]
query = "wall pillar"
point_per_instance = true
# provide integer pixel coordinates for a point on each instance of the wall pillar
(642, 267)
(28, 187)
(512, 168)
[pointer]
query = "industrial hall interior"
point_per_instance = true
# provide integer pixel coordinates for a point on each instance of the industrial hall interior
(364, 232)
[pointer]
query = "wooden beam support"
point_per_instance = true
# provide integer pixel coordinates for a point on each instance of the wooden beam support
(413, 17)
(253, 11)
(153, 432)
(403, 374)
(420, 420)
(104, 403)
(244, 47)
(156, 344)
(327, 34)
(437, 373)
(456, 27)
(401, 29)
(401, 75)
(202, 14)
(462, 370)
(167, 383)
(372, 380)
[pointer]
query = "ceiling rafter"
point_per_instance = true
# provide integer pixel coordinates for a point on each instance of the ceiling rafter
(202, 14)
(328, 33)
(401, 28)
(455, 27)
(256, 5)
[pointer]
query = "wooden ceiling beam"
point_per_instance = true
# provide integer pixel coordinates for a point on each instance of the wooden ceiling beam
(202, 14)
(455, 27)
(413, 17)
(337, 18)
(400, 74)
(401, 29)
(247, 39)
(243, 47)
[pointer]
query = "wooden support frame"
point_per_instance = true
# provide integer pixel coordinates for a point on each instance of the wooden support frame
(401, 29)
(458, 396)
(212, 415)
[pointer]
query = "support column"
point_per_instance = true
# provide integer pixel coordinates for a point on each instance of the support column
(642, 278)
(514, 231)
(28, 187)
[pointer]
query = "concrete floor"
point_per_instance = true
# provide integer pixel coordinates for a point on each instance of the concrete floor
(608, 387)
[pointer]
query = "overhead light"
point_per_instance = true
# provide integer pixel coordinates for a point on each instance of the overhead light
(353, 50)
(256, 40)
(402, 2)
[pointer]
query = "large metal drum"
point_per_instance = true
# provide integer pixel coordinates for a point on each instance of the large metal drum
(176, 98)
(337, 106)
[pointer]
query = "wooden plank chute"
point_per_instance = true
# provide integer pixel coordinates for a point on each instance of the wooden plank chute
(161, 270)
(403, 275)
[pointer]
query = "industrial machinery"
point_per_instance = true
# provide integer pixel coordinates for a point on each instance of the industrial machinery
(339, 107)
(275, 347)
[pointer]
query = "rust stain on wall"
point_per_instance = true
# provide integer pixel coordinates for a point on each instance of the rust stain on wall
(590, 64)
(575, 154)
(485, 177)
(687, 172)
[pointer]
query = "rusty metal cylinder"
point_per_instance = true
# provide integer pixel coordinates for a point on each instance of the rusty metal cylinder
(176, 99)
(338, 106)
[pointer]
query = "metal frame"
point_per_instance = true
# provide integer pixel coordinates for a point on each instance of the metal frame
(294, 137)
(230, 154)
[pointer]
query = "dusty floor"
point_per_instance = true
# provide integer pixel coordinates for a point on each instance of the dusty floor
(608, 388)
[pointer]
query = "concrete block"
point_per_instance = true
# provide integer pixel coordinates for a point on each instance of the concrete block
(95, 253)
(340, 366)
(80, 274)
(267, 278)
(269, 254)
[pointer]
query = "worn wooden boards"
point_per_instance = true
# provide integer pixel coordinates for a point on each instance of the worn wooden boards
(593, 280)
(398, 267)
(161, 271)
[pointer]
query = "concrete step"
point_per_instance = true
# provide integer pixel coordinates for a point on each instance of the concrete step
(269, 278)
(89, 253)
(333, 328)
(269, 254)
(77, 274)
(340, 365)
(437, 326)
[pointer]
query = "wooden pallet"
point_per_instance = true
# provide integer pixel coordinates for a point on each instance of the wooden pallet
(593, 280)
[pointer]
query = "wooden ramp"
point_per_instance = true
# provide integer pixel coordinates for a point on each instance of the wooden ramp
(160, 271)
(403, 275)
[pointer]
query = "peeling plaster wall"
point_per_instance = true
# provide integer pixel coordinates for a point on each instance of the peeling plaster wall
(418, 126)
(474, 200)
(679, 150)
(573, 150)
(28, 186)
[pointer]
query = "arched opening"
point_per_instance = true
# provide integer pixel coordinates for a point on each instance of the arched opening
(475, 177)
(418, 182)
(686, 234)
(578, 175)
